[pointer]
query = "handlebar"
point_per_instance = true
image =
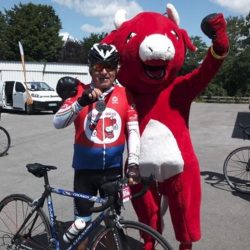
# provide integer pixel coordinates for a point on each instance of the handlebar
(113, 191)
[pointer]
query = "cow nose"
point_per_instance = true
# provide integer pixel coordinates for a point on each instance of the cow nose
(156, 47)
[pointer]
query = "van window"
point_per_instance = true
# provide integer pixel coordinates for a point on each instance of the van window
(38, 86)
(19, 87)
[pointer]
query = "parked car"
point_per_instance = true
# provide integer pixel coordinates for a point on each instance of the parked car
(13, 96)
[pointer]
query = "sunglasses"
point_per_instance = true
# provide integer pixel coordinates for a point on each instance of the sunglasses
(99, 67)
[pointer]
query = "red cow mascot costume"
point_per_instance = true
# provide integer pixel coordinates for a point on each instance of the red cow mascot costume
(152, 49)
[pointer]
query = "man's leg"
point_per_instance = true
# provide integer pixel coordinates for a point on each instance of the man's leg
(83, 183)
(89, 182)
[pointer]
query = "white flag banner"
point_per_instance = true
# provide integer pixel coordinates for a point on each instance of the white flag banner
(21, 49)
(29, 100)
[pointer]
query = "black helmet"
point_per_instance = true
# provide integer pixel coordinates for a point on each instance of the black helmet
(104, 54)
(66, 87)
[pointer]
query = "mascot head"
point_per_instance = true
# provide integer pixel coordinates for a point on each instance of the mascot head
(152, 49)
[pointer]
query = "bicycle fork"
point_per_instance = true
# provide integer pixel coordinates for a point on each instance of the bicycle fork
(119, 237)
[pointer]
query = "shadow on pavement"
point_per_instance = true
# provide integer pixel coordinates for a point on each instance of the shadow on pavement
(217, 180)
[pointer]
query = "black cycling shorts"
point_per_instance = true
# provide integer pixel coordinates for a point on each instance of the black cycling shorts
(89, 182)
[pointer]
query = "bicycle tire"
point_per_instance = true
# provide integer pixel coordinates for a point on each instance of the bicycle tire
(13, 210)
(4, 141)
(134, 233)
(236, 169)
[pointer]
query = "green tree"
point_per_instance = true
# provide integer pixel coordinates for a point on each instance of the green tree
(37, 27)
(245, 32)
(193, 59)
(72, 51)
(77, 51)
(234, 74)
(233, 79)
(4, 49)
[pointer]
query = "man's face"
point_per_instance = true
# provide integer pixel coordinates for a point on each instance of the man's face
(103, 76)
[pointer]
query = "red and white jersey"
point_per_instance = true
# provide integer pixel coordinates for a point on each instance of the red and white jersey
(100, 136)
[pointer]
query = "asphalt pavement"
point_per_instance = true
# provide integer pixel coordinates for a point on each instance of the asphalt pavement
(225, 213)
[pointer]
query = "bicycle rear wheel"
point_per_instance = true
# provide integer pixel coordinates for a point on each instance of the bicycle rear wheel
(4, 141)
(132, 236)
(236, 169)
(36, 232)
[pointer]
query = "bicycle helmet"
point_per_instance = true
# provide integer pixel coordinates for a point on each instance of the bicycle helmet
(66, 87)
(106, 54)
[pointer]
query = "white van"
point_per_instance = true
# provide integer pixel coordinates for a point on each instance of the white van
(13, 96)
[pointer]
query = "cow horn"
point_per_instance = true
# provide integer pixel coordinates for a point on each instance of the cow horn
(173, 14)
(120, 18)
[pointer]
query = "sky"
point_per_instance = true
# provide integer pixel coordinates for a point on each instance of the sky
(81, 17)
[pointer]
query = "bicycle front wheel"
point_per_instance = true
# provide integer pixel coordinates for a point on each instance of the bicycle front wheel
(132, 235)
(4, 141)
(35, 234)
(236, 169)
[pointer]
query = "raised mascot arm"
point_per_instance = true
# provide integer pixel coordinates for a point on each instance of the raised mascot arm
(215, 27)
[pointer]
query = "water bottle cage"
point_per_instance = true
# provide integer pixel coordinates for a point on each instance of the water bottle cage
(70, 236)
(74, 230)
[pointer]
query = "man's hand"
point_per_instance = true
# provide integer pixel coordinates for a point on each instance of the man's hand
(215, 27)
(133, 174)
(89, 96)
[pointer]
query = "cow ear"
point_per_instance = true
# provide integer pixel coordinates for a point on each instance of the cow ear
(188, 43)
(173, 14)
(120, 18)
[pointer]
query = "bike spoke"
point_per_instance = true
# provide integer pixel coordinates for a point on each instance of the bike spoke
(237, 169)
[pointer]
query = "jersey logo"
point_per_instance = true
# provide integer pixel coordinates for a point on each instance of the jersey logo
(104, 127)
(115, 100)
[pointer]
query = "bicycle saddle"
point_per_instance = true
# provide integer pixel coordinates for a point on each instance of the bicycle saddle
(38, 169)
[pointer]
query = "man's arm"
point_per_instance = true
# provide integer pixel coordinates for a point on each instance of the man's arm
(72, 106)
(66, 114)
(133, 141)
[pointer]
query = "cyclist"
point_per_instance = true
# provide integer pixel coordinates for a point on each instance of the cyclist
(104, 116)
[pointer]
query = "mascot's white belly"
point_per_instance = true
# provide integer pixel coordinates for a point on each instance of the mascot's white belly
(160, 154)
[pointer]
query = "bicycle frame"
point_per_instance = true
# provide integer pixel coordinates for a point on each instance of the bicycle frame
(39, 203)
(87, 230)
(37, 230)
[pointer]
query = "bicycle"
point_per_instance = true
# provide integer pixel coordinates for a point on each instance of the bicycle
(236, 166)
(4, 140)
(24, 224)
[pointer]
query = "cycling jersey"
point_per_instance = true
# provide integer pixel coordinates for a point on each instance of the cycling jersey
(100, 136)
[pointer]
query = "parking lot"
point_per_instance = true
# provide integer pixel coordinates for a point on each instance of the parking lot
(225, 213)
